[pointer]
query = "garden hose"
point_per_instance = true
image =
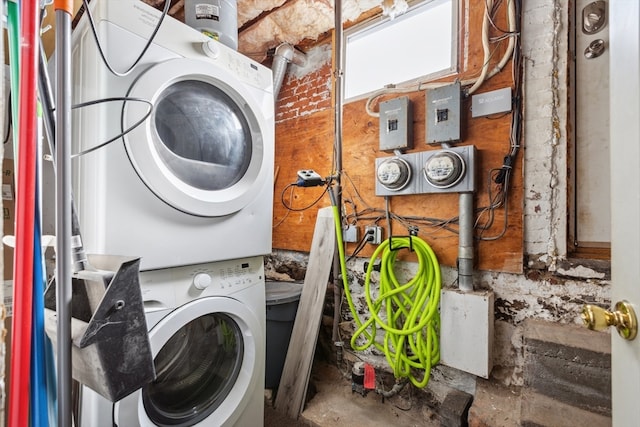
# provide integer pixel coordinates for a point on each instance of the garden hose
(407, 313)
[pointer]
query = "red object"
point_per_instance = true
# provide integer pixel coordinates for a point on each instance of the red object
(369, 377)
(25, 213)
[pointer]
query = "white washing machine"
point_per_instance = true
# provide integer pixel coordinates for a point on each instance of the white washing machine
(207, 334)
(194, 182)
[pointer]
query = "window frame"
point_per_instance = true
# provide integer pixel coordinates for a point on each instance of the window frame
(381, 22)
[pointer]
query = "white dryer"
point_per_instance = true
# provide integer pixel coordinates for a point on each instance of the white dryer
(194, 182)
(207, 334)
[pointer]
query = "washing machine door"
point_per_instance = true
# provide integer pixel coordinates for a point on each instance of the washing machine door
(202, 149)
(206, 354)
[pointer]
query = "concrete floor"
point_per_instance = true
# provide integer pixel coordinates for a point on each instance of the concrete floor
(334, 405)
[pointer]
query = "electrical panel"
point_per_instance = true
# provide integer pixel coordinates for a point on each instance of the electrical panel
(443, 116)
(396, 124)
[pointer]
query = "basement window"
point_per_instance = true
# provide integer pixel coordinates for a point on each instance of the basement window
(418, 45)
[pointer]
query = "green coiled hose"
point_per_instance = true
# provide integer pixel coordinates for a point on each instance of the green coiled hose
(411, 322)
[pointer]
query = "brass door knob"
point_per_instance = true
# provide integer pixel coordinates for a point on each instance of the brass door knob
(623, 318)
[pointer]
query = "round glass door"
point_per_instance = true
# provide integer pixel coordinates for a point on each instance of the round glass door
(195, 371)
(203, 137)
(202, 149)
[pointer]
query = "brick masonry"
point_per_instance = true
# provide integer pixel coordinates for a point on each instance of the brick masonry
(305, 94)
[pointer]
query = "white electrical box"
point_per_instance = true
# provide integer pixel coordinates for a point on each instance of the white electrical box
(466, 331)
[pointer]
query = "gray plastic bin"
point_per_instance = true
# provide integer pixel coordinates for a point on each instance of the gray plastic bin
(282, 306)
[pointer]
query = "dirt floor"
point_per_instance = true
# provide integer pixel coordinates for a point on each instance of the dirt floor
(333, 404)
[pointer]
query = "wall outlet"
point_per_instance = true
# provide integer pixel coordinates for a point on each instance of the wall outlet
(373, 234)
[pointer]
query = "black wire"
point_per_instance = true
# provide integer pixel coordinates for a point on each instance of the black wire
(167, 5)
(121, 134)
(361, 244)
(9, 120)
(326, 188)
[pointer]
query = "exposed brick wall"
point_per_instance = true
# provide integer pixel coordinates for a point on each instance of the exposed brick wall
(304, 95)
(545, 46)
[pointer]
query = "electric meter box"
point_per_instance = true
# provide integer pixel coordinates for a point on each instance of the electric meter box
(397, 175)
(443, 114)
(396, 124)
(451, 170)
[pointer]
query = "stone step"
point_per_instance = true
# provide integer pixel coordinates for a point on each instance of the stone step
(568, 363)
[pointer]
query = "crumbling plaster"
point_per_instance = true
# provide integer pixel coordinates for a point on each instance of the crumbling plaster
(553, 288)
(290, 22)
(545, 49)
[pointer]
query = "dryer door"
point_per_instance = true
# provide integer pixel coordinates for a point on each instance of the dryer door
(206, 354)
(202, 150)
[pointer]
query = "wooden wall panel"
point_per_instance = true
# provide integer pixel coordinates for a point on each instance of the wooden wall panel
(307, 142)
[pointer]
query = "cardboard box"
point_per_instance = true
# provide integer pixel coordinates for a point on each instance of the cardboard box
(8, 229)
(8, 214)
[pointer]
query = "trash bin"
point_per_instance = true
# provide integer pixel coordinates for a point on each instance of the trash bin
(282, 306)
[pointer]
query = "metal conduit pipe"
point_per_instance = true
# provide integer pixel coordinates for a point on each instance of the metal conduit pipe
(337, 99)
(465, 243)
(284, 54)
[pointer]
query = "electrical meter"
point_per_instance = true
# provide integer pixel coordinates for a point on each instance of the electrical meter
(444, 169)
(394, 173)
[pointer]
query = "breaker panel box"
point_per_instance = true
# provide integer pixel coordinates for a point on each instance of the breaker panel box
(396, 124)
(443, 114)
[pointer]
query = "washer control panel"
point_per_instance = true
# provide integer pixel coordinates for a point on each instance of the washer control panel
(171, 287)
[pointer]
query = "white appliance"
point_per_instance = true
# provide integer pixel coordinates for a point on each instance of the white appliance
(194, 182)
(207, 334)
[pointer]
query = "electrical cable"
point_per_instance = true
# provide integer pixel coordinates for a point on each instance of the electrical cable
(411, 328)
(9, 119)
(123, 132)
(92, 24)
(288, 207)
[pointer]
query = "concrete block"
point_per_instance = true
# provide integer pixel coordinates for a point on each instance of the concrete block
(466, 331)
(569, 363)
(539, 410)
(495, 405)
(454, 410)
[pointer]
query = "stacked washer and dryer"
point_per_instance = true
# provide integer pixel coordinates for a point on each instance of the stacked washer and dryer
(189, 190)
